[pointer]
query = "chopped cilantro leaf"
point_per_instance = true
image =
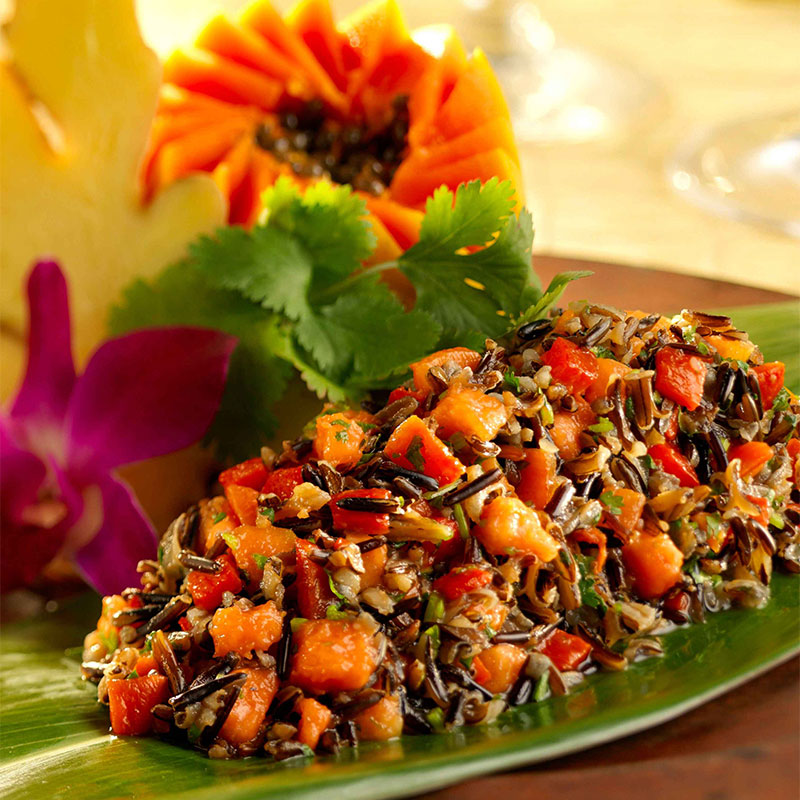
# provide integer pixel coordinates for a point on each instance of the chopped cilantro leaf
(602, 352)
(267, 512)
(261, 560)
(613, 502)
(511, 381)
(603, 425)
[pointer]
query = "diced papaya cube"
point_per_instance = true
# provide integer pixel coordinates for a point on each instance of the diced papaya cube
(314, 718)
(568, 426)
(130, 702)
(733, 349)
(340, 437)
(537, 477)
(469, 411)
(509, 527)
(374, 561)
(237, 631)
(608, 371)
(248, 712)
(244, 502)
(503, 663)
(412, 445)
(381, 721)
(654, 562)
(630, 511)
(216, 518)
(333, 656)
(253, 541)
(457, 356)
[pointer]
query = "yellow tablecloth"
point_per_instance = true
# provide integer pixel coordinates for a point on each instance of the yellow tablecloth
(715, 59)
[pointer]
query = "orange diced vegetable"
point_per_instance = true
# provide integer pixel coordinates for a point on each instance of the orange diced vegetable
(340, 437)
(680, 377)
(469, 411)
(733, 349)
(753, 456)
(413, 446)
(597, 538)
(770, 381)
(631, 510)
(503, 662)
(145, 664)
(215, 519)
(573, 366)
(333, 656)
(565, 650)
(381, 721)
(458, 356)
(248, 712)
(314, 718)
(253, 541)
(237, 631)
(654, 562)
(608, 370)
(537, 478)
(244, 502)
(568, 426)
(508, 527)
(131, 700)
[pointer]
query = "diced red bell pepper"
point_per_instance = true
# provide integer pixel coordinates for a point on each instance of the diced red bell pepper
(130, 702)
(671, 460)
(680, 377)
(244, 502)
(282, 482)
(314, 593)
(570, 365)
(413, 446)
(770, 381)
(146, 663)
(565, 650)
(401, 391)
(251, 473)
(793, 448)
(207, 588)
(461, 581)
(752, 455)
(360, 522)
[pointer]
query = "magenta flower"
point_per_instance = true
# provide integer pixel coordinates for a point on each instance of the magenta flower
(141, 395)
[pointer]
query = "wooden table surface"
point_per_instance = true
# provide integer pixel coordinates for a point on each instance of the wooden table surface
(741, 746)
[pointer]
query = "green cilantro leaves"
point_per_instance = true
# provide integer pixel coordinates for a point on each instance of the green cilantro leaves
(294, 290)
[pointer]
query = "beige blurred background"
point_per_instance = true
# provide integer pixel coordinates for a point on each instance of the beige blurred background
(715, 60)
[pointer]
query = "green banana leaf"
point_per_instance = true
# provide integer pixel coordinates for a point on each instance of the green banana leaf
(54, 740)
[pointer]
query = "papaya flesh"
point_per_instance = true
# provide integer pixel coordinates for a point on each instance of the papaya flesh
(367, 102)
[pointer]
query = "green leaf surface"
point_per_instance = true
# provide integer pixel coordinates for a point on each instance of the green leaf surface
(55, 742)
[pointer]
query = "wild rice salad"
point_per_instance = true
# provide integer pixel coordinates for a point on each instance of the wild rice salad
(504, 524)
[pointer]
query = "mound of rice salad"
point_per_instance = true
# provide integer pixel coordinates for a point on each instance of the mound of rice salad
(504, 524)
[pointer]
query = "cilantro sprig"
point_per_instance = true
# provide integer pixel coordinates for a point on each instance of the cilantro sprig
(296, 292)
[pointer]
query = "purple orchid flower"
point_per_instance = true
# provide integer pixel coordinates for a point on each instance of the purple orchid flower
(141, 395)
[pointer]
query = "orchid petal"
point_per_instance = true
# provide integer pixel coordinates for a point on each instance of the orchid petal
(38, 507)
(125, 537)
(50, 374)
(146, 394)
